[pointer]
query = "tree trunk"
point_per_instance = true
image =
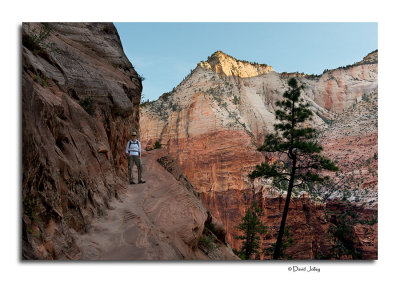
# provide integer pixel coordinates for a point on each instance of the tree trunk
(278, 244)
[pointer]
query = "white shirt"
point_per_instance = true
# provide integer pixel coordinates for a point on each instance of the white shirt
(133, 148)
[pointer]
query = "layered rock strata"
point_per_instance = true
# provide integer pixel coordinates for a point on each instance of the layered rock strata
(213, 121)
(162, 219)
(80, 97)
(311, 224)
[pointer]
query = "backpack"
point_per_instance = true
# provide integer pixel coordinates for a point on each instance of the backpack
(130, 143)
(136, 143)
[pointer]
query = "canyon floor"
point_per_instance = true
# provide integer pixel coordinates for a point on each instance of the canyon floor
(157, 220)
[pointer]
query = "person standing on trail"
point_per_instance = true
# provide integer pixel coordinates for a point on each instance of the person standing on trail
(133, 150)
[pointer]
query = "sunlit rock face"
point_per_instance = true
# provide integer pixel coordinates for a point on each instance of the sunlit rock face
(214, 120)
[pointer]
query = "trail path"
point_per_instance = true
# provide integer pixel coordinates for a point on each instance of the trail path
(157, 220)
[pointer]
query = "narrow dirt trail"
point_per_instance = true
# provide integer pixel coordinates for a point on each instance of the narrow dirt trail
(157, 220)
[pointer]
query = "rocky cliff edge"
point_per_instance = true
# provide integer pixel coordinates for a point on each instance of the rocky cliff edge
(80, 98)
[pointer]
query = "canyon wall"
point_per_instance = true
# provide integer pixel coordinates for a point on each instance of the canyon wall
(213, 121)
(162, 219)
(80, 101)
(80, 97)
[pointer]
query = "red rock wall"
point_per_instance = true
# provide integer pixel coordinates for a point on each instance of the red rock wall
(309, 224)
(216, 156)
(72, 157)
(216, 162)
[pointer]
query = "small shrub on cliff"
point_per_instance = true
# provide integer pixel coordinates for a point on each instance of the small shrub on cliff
(29, 205)
(342, 235)
(370, 221)
(206, 241)
(175, 107)
(36, 41)
(42, 79)
(157, 145)
(88, 105)
(144, 103)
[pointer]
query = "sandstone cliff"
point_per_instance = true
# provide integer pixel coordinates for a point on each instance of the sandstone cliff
(162, 219)
(225, 65)
(213, 121)
(80, 96)
(80, 100)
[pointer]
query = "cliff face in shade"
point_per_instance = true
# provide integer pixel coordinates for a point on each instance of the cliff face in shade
(309, 223)
(80, 97)
(162, 219)
(213, 121)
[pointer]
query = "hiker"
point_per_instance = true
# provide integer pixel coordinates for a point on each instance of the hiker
(133, 150)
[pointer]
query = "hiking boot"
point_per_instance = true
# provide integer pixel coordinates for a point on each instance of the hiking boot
(142, 181)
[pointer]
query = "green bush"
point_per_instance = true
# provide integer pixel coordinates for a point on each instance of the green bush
(36, 40)
(370, 221)
(206, 242)
(157, 145)
(42, 79)
(239, 254)
(144, 103)
(343, 236)
(29, 207)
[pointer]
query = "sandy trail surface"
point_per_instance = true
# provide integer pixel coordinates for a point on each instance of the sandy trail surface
(157, 220)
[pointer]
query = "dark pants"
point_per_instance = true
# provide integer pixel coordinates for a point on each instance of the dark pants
(135, 160)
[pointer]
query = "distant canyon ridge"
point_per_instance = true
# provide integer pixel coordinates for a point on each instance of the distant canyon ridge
(80, 102)
(214, 120)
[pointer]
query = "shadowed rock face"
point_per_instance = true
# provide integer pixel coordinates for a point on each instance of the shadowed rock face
(80, 97)
(309, 223)
(213, 121)
(162, 219)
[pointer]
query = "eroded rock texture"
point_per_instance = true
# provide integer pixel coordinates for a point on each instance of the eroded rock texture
(213, 121)
(162, 219)
(80, 97)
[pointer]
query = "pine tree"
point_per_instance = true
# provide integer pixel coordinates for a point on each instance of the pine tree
(297, 159)
(251, 227)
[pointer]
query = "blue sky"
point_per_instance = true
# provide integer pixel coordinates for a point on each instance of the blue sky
(164, 53)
